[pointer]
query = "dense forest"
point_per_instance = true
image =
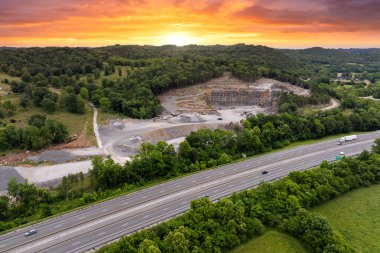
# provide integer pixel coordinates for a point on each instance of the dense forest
(151, 71)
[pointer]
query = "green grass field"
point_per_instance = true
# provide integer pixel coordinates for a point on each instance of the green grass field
(272, 242)
(74, 122)
(356, 215)
(10, 78)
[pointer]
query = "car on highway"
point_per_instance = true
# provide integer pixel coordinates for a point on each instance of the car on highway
(205, 196)
(264, 172)
(341, 153)
(30, 232)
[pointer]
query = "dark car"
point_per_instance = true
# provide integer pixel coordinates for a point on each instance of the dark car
(30, 232)
(205, 196)
(264, 172)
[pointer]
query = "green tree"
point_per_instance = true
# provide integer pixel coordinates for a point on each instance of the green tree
(177, 241)
(37, 120)
(105, 104)
(56, 130)
(39, 94)
(4, 207)
(45, 210)
(376, 146)
(148, 246)
(49, 105)
(24, 100)
(84, 93)
(33, 139)
(9, 108)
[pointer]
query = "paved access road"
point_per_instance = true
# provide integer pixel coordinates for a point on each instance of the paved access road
(90, 227)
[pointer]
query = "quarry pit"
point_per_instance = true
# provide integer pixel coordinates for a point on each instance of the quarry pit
(213, 104)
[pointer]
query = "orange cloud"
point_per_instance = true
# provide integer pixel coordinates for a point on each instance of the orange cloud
(292, 23)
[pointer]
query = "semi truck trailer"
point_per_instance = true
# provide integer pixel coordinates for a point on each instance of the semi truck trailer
(347, 138)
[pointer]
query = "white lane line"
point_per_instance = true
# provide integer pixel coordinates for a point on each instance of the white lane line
(105, 210)
(146, 216)
(221, 173)
(124, 225)
(58, 226)
(215, 191)
(84, 217)
(102, 233)
(75, 243)
(166, 209)
(183, 203)
(125, 203)
(168, 197)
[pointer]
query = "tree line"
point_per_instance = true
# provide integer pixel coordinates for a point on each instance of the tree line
(284, 204)
(206, 148)
(39, 133)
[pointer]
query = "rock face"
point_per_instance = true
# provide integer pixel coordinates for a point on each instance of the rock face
(242, 97)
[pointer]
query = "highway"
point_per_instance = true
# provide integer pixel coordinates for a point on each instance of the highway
(95, 225)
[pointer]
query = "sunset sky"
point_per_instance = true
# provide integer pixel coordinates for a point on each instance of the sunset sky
(275, 23)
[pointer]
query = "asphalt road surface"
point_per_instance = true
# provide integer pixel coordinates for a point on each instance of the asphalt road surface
(93, 226)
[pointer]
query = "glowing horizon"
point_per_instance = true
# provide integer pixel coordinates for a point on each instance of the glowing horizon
(274, 23)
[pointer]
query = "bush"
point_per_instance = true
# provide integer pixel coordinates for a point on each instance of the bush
(88, 198)
(49, 105)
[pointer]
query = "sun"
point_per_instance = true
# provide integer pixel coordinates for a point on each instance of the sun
(178, 39)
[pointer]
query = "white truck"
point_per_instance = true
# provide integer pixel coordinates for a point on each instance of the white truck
(347, 138)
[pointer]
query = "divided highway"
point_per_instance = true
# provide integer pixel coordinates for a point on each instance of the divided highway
(95, 225)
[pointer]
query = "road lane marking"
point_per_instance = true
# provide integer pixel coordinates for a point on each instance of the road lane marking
(75, 243)
(102, 233)
(166, 209)
(125, 203)
(58, 226)
(105, 210)
(215, 191)
(84, 217)
(146, 216)
(183, 202)
(171, 196)
(124, 225)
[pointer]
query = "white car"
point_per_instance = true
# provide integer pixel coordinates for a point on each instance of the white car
(30, 232)
(341, 153)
